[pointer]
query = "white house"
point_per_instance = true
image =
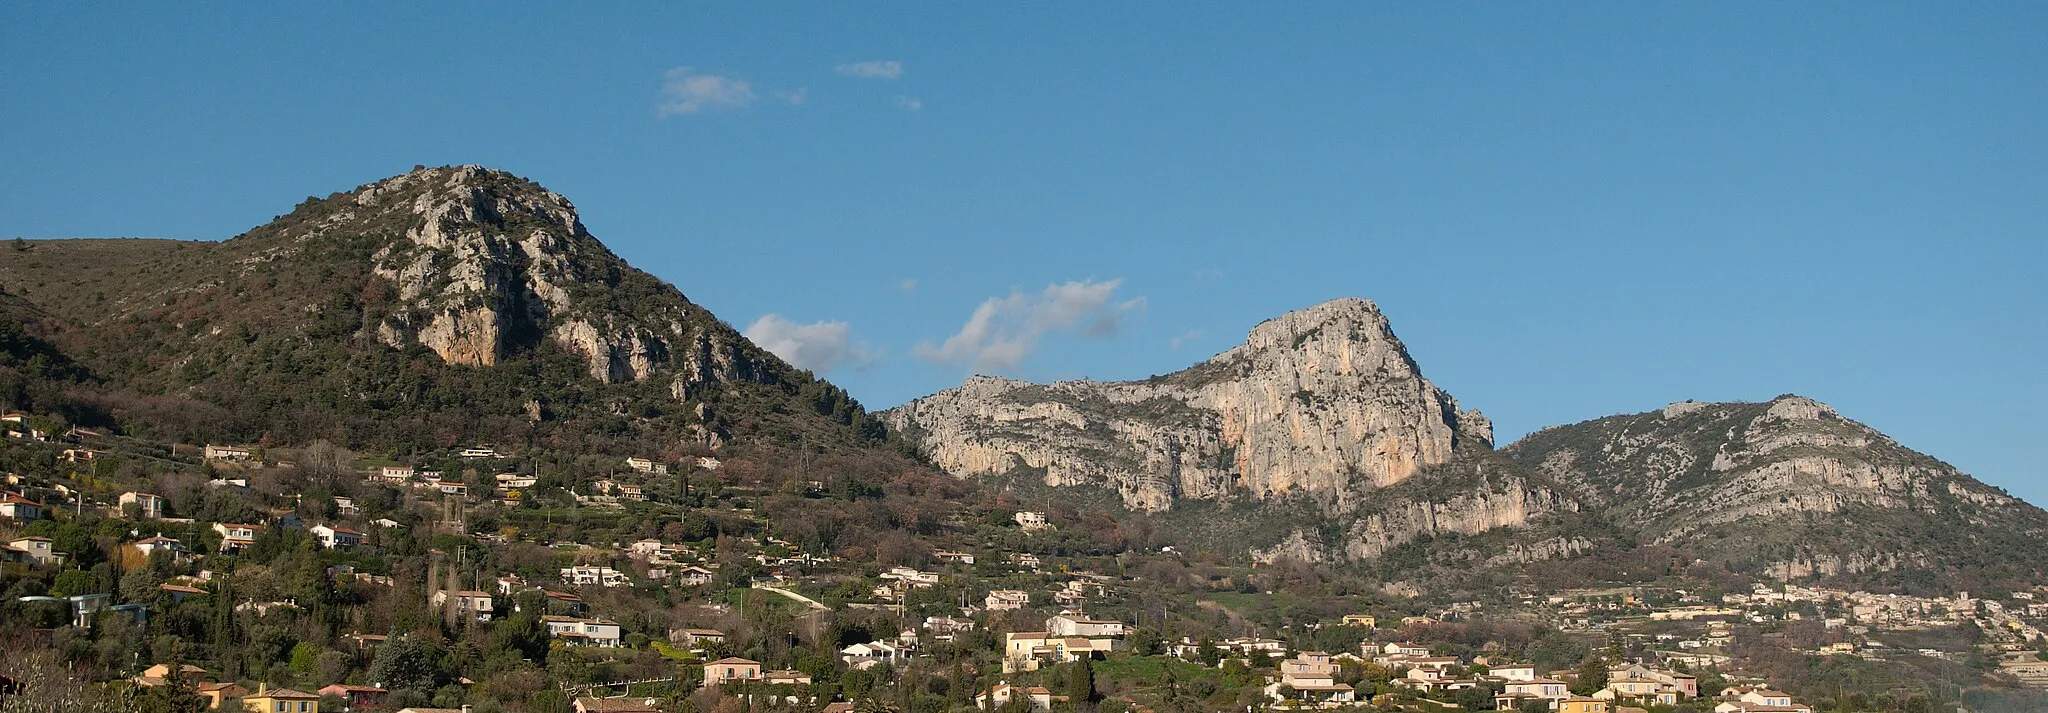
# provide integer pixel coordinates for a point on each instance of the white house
(1070, 625)
(516, 481)
(871, 653)
(332, 537)
(235, 536)
(1031, 521)
(468, 604)
(478, 452)
(147, 506)
(584, 575)
(394, 473)
(694, 576)
(37, 549)
(583, 632)
(13, 505)
(1006, 599)
(647, 466)
(1310, 676)
(234, 453)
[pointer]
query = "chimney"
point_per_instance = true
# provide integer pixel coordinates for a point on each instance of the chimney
(465, 708)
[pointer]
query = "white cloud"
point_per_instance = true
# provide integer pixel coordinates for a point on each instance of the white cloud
(871, 69)
(1208, 275)
(907, 285)
(1187, 337)
(818, 346)
(795, 97)
(684, 90)
(910, 103)
(1004, 330)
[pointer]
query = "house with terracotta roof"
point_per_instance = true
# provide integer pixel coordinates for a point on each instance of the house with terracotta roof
(616, 705)
(332, 537)
(13, 505)
(353, 697)
(1001, 695)
(731, 669)
(280, 700)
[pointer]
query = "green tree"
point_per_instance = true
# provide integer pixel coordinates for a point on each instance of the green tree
(1592, 677)
(1080, 686)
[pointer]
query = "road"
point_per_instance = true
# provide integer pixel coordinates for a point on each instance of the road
(812, 603)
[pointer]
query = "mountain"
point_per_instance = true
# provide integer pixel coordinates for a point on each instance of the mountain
(1793, 489)
(446, 305)
(1319, 440)
(1323, 403)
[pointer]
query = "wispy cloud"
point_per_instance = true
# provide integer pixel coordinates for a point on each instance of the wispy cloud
(907, 285)
(818, 346)
(871, 69)
(1208, 274)
(1184, 338)
(909, 103)
(1004, 330)
(795, 97)
(685, 90)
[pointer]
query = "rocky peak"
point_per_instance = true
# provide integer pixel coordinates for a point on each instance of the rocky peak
(1322, 401)
(485, 264)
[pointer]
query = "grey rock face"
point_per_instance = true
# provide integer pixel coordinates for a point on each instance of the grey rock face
(1324, 401)
(488, 264)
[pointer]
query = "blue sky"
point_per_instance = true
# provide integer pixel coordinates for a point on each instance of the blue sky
(1568, 211)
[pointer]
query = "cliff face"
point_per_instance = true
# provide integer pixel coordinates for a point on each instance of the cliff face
(1789, 486)
(488, 263)
(443, 305)
(1322, 402)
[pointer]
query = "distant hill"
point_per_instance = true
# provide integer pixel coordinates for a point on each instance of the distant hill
(1793, 489)
(444, 306)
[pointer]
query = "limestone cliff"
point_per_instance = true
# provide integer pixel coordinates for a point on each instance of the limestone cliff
(1323, 402)
(443, 305)
(1788, 487)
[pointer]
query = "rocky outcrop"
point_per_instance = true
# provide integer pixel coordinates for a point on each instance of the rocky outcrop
(1788, 487)
(1322, 402)
(1498, 502)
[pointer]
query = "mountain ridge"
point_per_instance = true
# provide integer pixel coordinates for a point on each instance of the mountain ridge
(396, 291)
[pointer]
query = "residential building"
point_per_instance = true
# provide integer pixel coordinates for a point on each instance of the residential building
(649, 467)
(229, 453)
(515, 481)
(1006, 600)
(585, 576)
(999, 696)
(478, 452)
(38, 550)
(1360, 620)
(468, 604)
(147, 506)
(13, 505)
(617, 705)
(354, 697)
(1032, 521)
(1550, 690)
(332, 537)
(583, 632)
(1074, 625)
(280, 700)
(1581, 704)
(696, 637)
(235, 536)
(395, 474)
(1311, 676)
(872, 653)
(345, 506)
(731, 669)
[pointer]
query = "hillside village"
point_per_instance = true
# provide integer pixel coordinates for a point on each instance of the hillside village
(228, 577)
